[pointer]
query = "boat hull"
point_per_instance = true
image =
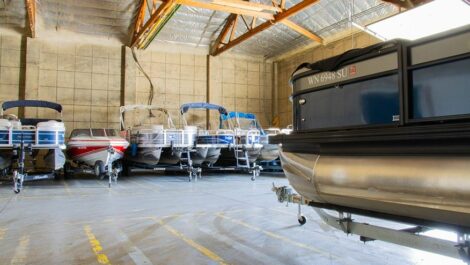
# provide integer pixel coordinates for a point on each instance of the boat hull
(213, 154)
(149, 156)
(434, 188)
(54, 159)
(88, 152)
(170, 156)
(199, 156)
(227, 156)
(269, 152)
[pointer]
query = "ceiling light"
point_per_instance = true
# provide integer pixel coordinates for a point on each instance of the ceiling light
(365, 29)
(425, 20)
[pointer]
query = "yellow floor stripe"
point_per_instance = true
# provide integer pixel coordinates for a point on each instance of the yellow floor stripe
(21, 251)
(276, 236)
(66, 187)
(96, 246)
(2, 233)
(205, 251)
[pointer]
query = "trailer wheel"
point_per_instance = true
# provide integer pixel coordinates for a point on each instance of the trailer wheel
(67, 170)
(302, 220)
(99, 168)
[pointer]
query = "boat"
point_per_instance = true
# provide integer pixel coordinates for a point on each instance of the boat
(153, 146)
(246, 148)
(247, 133)
(34, 145)
(96, 148)
(208, 143)
(384, 131)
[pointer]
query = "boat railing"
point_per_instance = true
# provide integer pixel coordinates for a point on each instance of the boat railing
(248, 138)
(37, 138)
(178, 138)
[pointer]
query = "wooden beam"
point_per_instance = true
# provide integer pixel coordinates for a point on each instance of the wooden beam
(140, 17)
(228, 9)
(160, 13)
(277, 18)
(154, 6)
(253, 22)
(302, 30)
(247, 5)
(246, 24)
(225, 30)
(234, 28)
(31, 9)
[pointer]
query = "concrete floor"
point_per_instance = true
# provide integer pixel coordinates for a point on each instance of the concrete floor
(166, 220)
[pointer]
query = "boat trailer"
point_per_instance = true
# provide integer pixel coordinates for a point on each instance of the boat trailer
(19, 173)
(185, 165)
(408, 237)
(111, 170)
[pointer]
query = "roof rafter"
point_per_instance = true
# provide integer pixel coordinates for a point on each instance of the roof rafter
(280, 17)
(231, 20)
(145, 34)
(31, 9)
(225, 8)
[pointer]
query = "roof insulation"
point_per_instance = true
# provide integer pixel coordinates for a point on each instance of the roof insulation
(114, 19)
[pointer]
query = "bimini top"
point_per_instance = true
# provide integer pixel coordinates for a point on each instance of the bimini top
(31, 103)
(202, 105)
(126, 108)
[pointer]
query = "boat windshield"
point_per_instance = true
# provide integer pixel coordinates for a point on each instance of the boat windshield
(98, 133)
(111, 132)
(247, 124)
(80, 133)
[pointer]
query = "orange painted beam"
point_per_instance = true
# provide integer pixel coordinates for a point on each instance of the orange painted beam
(302, 30)
(31, 9)
(161, 11)
(224, 8)
(231, 19)
(277, 18)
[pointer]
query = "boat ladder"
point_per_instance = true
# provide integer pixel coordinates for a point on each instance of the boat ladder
(187, 162)
(241, 155)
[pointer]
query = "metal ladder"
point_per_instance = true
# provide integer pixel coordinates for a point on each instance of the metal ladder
(241, 156)
(186, 161)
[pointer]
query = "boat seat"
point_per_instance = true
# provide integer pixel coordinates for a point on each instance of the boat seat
(35, 122)
(51, 124)
(191, 128)
(5, 124)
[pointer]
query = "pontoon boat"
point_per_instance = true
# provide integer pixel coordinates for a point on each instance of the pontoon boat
(154, 147)
(208, 142)
(32, 145)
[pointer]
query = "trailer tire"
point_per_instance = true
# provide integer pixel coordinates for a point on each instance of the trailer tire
(67, 170)
(99, 168)
(302, 220)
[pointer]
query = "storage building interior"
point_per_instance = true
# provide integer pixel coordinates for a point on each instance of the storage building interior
(177, 132)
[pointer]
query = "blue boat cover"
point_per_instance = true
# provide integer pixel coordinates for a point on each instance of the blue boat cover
(31, 103)
(240, 115)
(202, 105)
